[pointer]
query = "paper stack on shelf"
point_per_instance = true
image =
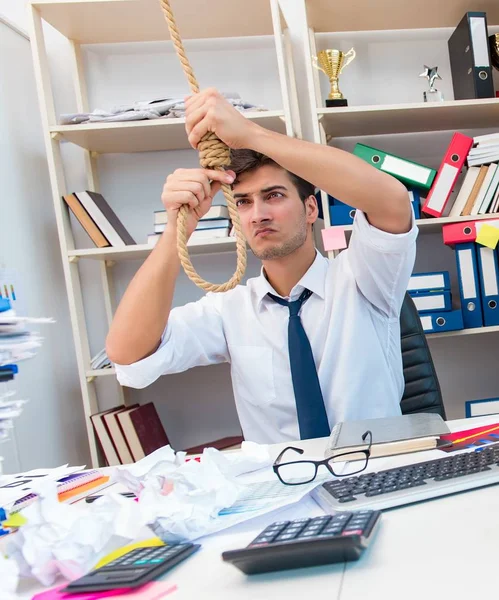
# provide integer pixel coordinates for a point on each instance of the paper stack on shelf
(100, 361)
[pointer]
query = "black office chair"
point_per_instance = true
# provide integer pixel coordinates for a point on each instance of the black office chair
(422, 391)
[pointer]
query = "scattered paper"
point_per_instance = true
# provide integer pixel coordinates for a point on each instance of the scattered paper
(334, 238)
(488, 236)
(9, 577)
(68, 539)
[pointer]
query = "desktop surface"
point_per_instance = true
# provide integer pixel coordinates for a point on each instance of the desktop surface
(442, 547)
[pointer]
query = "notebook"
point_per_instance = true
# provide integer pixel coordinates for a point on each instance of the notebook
(390, 435)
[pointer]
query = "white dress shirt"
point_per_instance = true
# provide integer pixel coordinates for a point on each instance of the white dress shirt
(351, 319)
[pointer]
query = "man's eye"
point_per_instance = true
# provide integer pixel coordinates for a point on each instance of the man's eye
(240, 202)
(275, 195)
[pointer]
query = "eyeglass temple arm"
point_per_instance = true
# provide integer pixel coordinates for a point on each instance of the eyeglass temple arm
(299, 450)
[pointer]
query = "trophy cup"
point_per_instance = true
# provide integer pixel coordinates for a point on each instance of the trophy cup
(494, 50)
(332, 63)
(432, 95)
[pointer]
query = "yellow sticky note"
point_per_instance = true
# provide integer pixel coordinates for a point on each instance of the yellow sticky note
(488, 236)
(125, 549)
(15, 520)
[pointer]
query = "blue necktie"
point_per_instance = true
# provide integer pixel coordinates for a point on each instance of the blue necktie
(312, 418)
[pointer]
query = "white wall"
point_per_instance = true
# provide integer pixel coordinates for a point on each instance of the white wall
(50, 430)
(198, 406)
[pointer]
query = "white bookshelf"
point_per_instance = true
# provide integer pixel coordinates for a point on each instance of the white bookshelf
(366, 22)
(113, 22)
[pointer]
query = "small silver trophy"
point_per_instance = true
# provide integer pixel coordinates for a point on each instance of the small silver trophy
(432, 95)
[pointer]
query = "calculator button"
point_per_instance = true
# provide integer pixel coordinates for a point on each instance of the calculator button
(285, 536)
(352, 532)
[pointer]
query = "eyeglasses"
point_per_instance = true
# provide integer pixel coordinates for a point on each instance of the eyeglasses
(298, 472)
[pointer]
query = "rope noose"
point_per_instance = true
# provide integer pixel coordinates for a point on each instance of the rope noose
(214, 154)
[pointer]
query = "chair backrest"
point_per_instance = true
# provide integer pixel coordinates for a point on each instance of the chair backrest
(422, 390)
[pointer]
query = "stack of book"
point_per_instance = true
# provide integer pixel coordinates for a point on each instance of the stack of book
(431, 293)
(215, 224)
(98, 219)
(127, 434)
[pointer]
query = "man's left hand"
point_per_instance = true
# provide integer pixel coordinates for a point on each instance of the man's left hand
(209, 111)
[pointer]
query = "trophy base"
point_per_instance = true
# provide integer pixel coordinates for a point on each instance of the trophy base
(433, 96)
(337, 102)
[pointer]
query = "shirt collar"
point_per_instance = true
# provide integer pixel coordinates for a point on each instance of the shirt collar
(314, 280)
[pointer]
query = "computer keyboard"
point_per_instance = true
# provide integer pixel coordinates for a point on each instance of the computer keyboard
(412, 483)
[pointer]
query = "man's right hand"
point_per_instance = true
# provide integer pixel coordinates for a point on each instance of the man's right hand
(194, 187)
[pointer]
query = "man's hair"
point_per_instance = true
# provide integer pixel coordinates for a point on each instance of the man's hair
(242, 161)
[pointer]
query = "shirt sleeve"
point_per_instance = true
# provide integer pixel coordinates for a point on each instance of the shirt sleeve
(382, 263)
(193, 337)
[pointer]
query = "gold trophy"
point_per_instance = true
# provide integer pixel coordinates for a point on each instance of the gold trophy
(494, 49)
(332, 63)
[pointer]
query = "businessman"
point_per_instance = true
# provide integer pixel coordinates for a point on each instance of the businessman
(311, 341)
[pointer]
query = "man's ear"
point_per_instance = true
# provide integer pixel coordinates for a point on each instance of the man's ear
(311, 209)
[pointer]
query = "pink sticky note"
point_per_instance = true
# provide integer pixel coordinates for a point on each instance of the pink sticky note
(334, 238)
(154, 590)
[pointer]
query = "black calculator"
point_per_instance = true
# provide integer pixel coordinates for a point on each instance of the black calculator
(133, 569)
(307, 542)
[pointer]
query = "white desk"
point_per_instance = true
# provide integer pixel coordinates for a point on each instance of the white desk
(445, 546)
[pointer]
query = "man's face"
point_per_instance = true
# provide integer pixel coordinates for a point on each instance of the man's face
(274, 219)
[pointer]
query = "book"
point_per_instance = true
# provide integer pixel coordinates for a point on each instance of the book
(482, 192)
(474, 191)
(464, 192)
(390, 435)
(104, 436)
(197, 234)
(143, 430)
(202, 225)
(117, 435)
(85, 220)
(105, 218)
(219, 211)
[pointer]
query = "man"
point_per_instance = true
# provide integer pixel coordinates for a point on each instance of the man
(348, 308)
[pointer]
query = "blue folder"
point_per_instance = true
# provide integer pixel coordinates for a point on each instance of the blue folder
(428, 282)
(430, 302)
(342, 214)
(442, 321)
(488, 270)
(469, 284)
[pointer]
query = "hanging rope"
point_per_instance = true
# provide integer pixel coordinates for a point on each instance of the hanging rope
(213, 154)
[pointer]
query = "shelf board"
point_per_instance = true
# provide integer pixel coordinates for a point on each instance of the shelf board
(100, 372)
(432, 225)
(109, 21)
(366, 15)
(141, 251)
(474, 331)
(406, 118)
(144, 136)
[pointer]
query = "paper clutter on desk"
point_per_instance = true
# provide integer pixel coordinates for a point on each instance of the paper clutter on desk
(181, 499)
(68, 539)
(9, 577)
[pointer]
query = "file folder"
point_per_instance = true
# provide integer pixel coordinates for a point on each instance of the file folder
(427, 282)
(469, 286)
(488, 269)
(415, 200)
(449, 170)
(442, 321)
(407, 171)
(459, 233)
(481, 408)
(341, 214)
(428, 302)
(469, 56)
